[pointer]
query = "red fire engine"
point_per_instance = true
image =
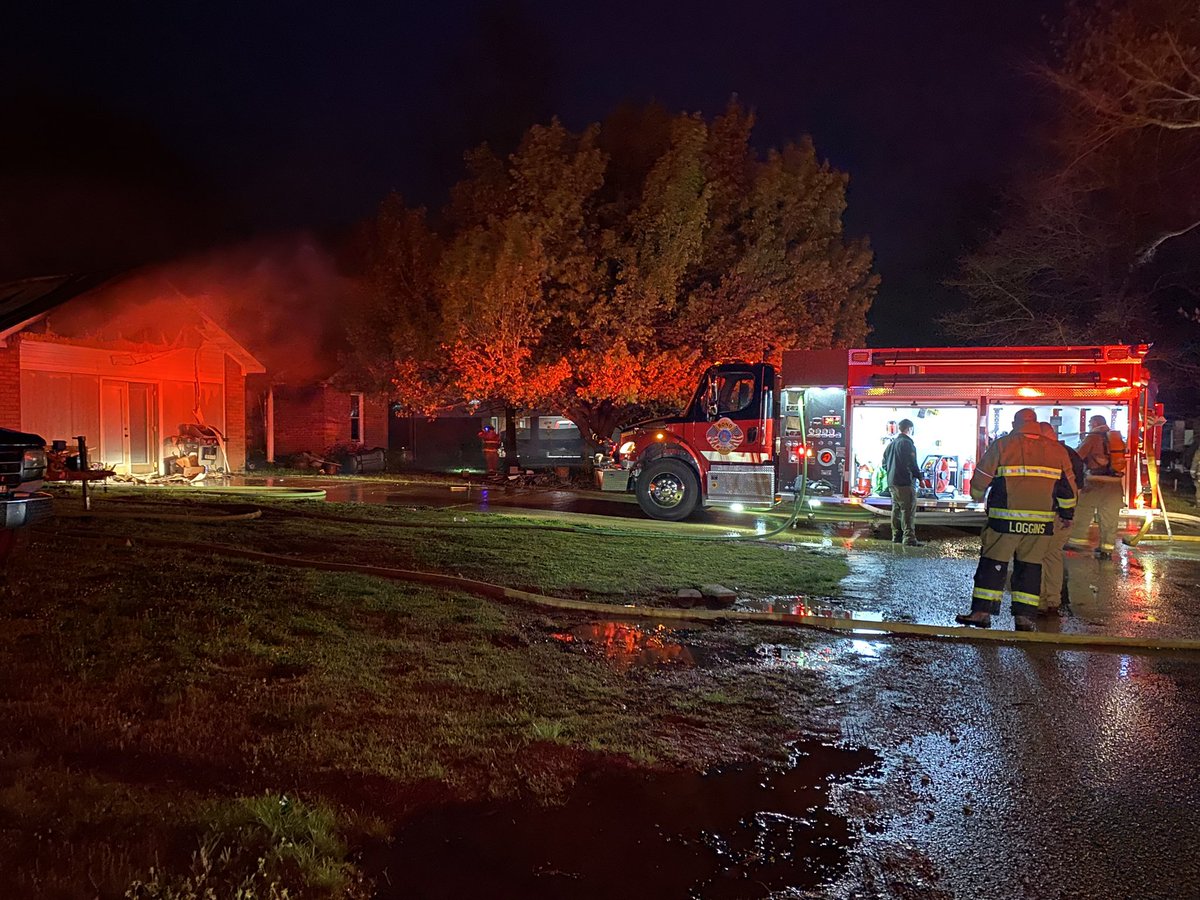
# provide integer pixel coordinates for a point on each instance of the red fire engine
(750, 432)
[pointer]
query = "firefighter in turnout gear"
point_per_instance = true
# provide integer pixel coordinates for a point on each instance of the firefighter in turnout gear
(1031, 483)
(1103, 453)
(1055, 596)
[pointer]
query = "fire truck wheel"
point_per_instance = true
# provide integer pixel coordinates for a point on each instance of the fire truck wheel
(668, 489)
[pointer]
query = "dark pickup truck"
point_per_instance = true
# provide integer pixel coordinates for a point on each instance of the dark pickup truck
(22, 466)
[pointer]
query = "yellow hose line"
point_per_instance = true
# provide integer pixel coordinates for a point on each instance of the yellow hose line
(1141, 533)
(1167, 538)
(1156, 490)
(823, 623)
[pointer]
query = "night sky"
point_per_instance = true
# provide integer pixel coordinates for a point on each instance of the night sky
(135, 131)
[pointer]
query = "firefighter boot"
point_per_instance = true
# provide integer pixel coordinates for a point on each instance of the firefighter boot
(978, 619)
(1024, 623)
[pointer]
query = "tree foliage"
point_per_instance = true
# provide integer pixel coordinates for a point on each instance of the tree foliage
(1098, 243)
(597, 273)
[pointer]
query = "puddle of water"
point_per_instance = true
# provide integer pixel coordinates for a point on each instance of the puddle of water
(820, 658)
(801, 606)
(741, 833)
(627, 646)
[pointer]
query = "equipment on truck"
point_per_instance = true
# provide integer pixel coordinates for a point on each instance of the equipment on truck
(939, 475)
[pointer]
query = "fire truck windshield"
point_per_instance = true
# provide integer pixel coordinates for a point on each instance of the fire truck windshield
(723, 394)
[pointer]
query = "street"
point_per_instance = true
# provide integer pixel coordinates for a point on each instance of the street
(1023, 771)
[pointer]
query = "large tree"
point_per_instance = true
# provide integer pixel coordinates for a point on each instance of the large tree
(597, 273)
(393, 327)
(1099, 240)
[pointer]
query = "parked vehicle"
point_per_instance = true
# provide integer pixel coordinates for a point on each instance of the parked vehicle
(22, 466)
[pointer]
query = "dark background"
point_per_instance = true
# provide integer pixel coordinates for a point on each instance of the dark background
(137, 132)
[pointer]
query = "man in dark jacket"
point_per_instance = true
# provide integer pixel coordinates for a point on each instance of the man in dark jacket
(904, 475)
(1055, 597)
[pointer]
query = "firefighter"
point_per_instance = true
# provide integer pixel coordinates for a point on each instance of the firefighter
(1103, 453)
(490, 439)
(1055, 596)
(903, 475)
(1031, 482)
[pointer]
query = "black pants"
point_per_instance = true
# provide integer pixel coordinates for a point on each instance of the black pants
(1026, 551)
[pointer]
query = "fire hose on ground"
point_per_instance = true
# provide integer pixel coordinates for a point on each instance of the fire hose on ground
(837, 625)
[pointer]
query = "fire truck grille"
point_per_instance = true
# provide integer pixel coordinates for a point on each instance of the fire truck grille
(753, 484)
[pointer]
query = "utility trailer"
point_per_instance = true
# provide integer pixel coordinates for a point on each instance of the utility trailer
(750, 431)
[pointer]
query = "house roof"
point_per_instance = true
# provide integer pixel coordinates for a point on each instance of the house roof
(22, 303)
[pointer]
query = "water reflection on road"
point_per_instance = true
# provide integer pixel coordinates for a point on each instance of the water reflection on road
(1139, 593)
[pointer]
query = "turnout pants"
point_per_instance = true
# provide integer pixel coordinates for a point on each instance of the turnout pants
(904, 510)
(1099, 500)
(998, 548)
(1053, 573)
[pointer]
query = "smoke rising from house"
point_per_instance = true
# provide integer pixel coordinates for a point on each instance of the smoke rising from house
(281, 299)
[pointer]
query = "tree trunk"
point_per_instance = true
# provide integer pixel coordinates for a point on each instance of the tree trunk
(596, 422)
(510, 438)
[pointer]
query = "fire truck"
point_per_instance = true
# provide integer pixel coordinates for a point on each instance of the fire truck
(753, 436)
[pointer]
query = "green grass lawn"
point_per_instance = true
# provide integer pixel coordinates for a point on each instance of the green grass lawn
(173, 721)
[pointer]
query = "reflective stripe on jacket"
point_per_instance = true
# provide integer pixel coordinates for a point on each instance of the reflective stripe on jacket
(1031, 481)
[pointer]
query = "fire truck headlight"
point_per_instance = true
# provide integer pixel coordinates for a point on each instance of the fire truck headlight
(736, 507)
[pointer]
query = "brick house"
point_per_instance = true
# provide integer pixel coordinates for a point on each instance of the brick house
(90, 356)
(314, 416)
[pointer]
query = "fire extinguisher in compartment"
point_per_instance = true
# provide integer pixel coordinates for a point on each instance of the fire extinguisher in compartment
(862, 486)
(968, 471)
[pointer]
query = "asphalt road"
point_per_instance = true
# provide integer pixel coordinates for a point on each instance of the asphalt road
(1019, 771)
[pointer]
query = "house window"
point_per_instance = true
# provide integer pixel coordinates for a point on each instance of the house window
(356, 417)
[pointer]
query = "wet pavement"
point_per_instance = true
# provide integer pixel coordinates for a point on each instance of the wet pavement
(1143, 592)
(476, 497)
(1025, 772)
(1017, 771)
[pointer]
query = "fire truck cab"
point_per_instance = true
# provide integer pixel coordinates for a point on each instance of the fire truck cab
(751, 436)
